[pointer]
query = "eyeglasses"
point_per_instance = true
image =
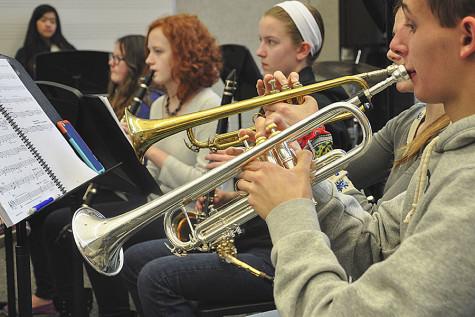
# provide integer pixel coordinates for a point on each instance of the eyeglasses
(115, 58)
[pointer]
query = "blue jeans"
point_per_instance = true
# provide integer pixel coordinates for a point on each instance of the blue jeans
(163, 284)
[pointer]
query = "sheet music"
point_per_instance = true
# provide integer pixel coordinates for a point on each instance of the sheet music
(23, 180)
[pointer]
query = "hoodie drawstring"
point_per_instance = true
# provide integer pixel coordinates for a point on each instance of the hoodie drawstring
(422, 178)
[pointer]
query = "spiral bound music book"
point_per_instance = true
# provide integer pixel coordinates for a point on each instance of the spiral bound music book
(37, 164)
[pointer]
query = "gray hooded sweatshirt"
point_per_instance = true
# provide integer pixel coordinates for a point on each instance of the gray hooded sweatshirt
(413, 257)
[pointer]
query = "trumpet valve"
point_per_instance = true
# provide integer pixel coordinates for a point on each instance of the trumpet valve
(272, 128)
(274, 89)
(286, 87)
(298, 100)
(260, 140)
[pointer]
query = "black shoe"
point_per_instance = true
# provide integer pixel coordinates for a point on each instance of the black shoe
(64, 306)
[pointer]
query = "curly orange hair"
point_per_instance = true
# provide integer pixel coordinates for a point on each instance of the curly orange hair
(197, 56)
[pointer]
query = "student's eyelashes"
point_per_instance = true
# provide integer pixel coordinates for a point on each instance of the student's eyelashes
(410, 25)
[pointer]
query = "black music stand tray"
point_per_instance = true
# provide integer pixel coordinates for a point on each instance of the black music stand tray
(87, 71)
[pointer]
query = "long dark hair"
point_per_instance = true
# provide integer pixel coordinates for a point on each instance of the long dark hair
(133, 49)
(35, 44)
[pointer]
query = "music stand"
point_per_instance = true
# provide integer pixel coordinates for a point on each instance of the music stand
(114, 141)
(87, 71)
(22, 247)
(97, 127)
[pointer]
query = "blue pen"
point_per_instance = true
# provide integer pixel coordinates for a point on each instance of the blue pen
(42, 204)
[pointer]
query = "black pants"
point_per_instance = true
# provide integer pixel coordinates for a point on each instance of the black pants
(41, 270)
(111, 293)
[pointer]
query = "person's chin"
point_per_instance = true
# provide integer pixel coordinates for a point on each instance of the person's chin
(405, 87)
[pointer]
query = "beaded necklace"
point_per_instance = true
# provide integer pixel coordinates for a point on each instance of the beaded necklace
(167, 107)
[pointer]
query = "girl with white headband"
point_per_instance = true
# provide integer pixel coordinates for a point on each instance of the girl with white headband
(291, 38)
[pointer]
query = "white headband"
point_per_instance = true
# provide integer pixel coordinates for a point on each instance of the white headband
(305, 23)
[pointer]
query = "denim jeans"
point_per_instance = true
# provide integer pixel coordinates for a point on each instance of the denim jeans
(163, 284)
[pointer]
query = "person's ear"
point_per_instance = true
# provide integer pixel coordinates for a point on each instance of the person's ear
(303, 51)
(468, 36)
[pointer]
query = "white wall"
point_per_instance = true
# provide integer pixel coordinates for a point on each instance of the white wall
(96, 24)
(87, 24)
(236, 21)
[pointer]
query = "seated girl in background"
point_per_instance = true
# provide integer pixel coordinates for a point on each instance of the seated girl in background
(127, 66)
(43, 35)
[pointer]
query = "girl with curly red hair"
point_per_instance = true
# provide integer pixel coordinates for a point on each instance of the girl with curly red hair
(186, 62)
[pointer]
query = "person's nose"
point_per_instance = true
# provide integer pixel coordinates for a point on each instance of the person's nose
(398, 46)
(149, 59)
(261, 52)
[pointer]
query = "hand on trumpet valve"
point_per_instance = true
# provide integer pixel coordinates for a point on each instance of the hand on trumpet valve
(292, 112)
(222, 156)
(268, 185)
(220, 198)
(276, 83)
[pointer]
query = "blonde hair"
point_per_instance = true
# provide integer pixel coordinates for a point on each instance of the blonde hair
(413, 148)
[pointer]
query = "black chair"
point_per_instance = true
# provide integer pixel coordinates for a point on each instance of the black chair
(239, 58)
(219, 311)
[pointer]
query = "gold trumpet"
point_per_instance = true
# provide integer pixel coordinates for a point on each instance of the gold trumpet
(100, 240)
(232, 138)
(144, 133)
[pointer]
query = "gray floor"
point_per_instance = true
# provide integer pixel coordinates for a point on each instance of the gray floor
(3, 281)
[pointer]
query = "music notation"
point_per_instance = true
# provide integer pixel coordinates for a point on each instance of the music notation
(16, 166)
(36, 128)
(12, 151)
(6, 137)
(27, 113)
(35, 160)
(21, 181)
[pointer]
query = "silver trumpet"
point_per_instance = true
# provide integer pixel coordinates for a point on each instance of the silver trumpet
(100, 240)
